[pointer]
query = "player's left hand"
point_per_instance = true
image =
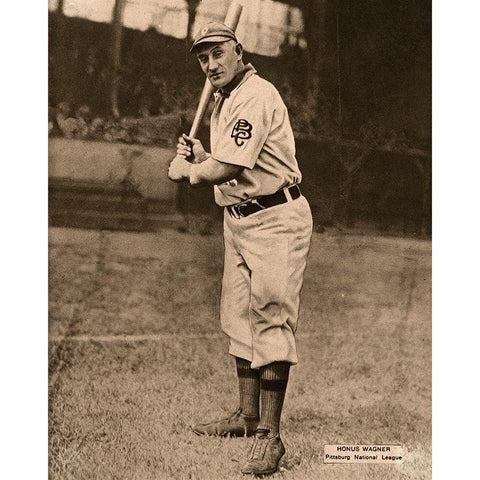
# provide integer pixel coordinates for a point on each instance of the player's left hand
(179, 169)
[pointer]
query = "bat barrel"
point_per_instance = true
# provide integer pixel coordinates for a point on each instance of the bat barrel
(233, 15)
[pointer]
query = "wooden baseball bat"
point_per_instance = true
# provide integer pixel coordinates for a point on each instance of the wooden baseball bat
(231, 20)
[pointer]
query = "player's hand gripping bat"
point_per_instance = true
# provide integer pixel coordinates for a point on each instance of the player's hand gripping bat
(231, 20)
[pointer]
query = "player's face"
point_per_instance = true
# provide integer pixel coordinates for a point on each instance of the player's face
(220, 62)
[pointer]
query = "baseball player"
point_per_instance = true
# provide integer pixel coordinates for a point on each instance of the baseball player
(267, 232)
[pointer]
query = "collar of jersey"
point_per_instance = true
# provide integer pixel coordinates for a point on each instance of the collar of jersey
(238, 79)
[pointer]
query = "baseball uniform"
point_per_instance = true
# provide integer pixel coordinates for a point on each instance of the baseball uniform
(265, 251)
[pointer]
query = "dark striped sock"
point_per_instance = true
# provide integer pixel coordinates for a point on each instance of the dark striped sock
(248, 387)
(273, 385)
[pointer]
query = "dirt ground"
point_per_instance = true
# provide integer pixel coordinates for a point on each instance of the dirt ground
(136, 357)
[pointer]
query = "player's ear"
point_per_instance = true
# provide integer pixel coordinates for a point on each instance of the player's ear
(239, 49)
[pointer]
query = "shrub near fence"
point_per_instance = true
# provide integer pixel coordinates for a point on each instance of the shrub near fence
(350, 184)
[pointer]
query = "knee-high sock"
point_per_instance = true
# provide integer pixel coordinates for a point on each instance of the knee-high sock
(273, 385)
(249, 387)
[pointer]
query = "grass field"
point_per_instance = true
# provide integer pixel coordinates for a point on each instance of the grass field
(136, 356)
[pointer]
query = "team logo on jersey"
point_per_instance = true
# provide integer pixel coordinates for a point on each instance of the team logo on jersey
(241, 132)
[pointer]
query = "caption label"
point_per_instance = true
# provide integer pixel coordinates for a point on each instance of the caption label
(363, 454)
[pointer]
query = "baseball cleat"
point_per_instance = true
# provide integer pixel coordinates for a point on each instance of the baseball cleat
(236, 425)
(265, 454)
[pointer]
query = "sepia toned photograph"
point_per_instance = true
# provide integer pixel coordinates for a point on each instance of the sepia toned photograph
(239, 239)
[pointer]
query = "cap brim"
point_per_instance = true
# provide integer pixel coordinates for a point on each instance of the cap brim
(213, 39)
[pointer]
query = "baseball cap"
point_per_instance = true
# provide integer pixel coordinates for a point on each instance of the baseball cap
(213, 32)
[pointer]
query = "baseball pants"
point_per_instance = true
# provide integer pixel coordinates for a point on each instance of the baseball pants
(265, 258)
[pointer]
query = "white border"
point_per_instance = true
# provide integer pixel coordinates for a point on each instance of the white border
(455, 237)
(24, 246)
(24, 234)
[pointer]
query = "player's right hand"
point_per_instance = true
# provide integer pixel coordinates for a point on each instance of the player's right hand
(184, 149)
(191, 148)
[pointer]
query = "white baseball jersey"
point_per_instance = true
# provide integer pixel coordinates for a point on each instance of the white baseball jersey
(250, 127)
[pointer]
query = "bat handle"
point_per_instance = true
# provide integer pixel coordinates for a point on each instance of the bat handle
(202, 108)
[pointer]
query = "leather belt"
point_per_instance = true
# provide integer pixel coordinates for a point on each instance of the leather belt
(254, 205)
